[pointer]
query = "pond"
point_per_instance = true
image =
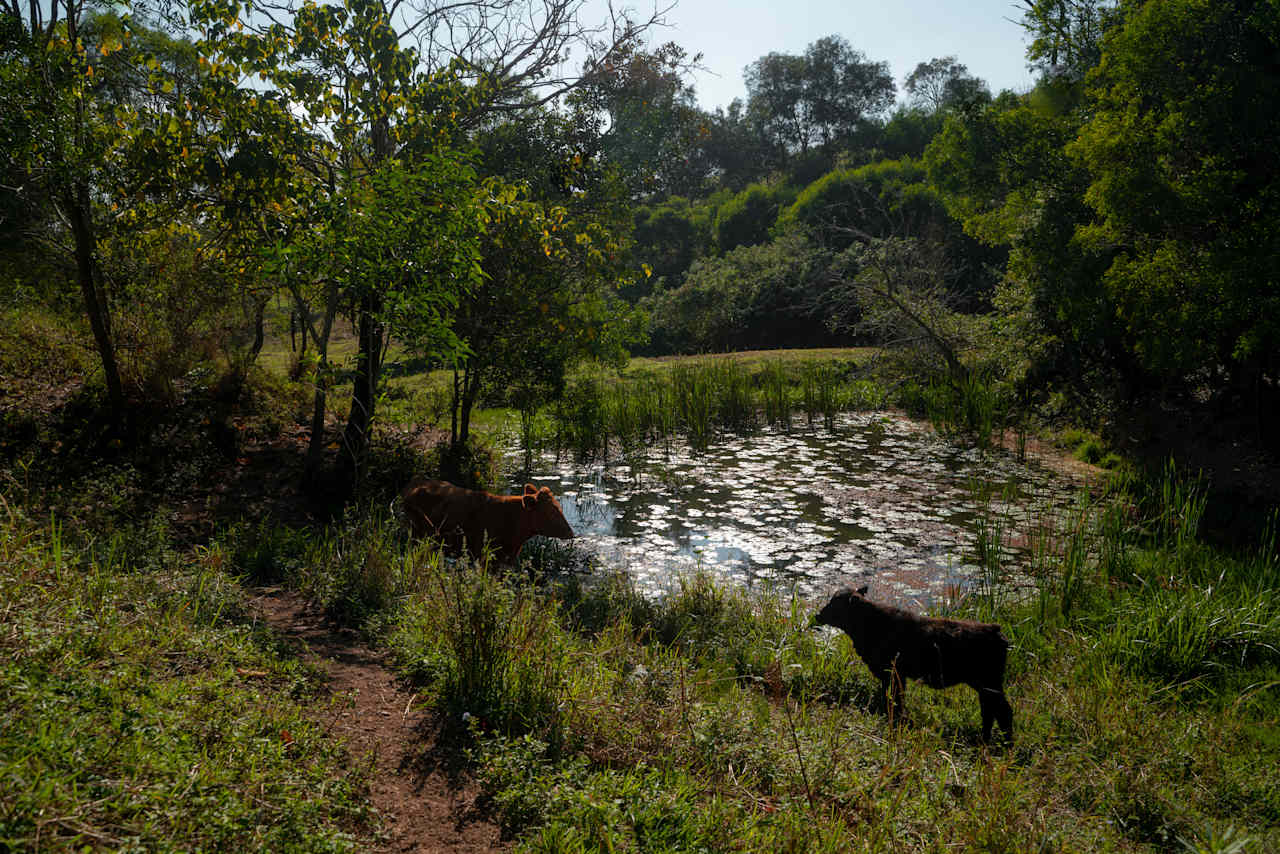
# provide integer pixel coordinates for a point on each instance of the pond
(875, 499)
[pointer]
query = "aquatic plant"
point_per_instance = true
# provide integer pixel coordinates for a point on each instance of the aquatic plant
(777, 396)
(694, 403)
(696, 399)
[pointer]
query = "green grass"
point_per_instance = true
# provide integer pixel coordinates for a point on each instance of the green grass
(43, 347)
(1145, 678)
(140, 708)
(1146, 691)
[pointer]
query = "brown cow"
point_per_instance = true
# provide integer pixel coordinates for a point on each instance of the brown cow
(466, 518)
(898, 645)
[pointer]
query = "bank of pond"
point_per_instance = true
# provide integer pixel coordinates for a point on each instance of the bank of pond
(657, 684)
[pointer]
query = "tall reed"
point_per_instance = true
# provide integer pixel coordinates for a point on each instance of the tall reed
(694, 403)
(735, 404)
(777, 396)
(990, 533)
(821, 392)
(696, 399)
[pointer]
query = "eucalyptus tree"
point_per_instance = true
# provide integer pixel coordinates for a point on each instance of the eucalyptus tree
(1067, 35)
(647, 119)
(944, 82)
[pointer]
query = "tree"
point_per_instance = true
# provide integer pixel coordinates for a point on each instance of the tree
(372, 182)
(900, 269)
(646, 116)
(818, 99)
(737, 148)
(894, 288)
(1003, 171)
(909, 132)
(60, 137)
(547, 301)
(1180, 151)
(942, 83)
(513, 51)
(769, 295)
(380, 101)
(668, 238)
(747, 218)
(551, 266)
(882, 199)
(102, 148)
(1067, 34)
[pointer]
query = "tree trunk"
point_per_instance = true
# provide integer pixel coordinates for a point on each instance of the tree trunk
(454, 404)
(259, 331)
(365, 383)
(315, 448)
(88, 276)
(467, 401)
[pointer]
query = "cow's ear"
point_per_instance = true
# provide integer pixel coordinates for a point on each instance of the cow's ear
(530, 489)
(530, 497)
(862, 591)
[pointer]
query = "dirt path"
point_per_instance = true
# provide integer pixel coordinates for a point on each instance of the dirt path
(426, 805)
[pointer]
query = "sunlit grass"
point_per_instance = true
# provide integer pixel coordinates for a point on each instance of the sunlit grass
(140, 709)
(1144, 675)
(720, 389)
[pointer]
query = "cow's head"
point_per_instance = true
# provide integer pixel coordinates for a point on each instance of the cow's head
(548, 519)
(836, 612)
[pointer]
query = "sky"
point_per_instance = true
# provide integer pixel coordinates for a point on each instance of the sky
(734, 33)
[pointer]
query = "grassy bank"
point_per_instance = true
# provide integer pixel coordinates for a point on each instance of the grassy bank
(141, 708)
(1145, 678)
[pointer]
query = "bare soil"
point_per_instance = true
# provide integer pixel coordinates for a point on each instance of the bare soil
(417, 783)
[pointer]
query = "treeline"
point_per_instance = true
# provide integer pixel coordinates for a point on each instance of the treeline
(175, 174)
(1111, 233)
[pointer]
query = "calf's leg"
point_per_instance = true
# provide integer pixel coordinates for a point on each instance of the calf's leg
(995, 708)
(1004, 716)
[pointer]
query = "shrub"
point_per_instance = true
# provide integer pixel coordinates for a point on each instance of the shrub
(493, 653)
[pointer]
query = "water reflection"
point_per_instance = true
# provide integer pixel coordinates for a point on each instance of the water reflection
(875, 497)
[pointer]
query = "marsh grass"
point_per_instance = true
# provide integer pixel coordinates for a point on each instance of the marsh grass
(973, 407)
(699, 399)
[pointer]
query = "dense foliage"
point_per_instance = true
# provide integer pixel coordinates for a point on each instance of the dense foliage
(458, 234)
